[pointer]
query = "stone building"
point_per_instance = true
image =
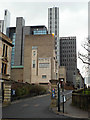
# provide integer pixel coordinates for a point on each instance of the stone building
(39, 60)
(5, 66)
(17, 35)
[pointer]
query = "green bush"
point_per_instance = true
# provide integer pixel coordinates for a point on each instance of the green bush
(37, 89)
(27, 90)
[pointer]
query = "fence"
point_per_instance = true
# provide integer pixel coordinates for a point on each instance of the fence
(81, 100)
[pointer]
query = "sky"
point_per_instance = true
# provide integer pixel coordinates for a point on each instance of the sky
(73, 17)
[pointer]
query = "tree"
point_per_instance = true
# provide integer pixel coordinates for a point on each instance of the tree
(85, 57)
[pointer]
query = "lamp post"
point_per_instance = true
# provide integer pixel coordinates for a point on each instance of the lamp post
(62, 80)
(59, 96)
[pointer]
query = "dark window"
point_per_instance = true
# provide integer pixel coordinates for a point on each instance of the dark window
(4, 68)
(55, 32)
(50, 22)
(55, 22)
(33, 63)
(50, 17)
(6, 51)
(55, 48)
(55, 13)
(55, 26)
(3, 50)
(5, 12)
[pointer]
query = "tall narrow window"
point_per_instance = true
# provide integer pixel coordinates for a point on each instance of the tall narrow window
(33, 63)
(34, 53)
(3, 50)
(6, 51)
(5, 68)
(2, 67)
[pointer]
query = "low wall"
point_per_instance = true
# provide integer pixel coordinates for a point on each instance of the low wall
(81, 101)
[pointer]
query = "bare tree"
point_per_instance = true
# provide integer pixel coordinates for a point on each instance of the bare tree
(85, 57)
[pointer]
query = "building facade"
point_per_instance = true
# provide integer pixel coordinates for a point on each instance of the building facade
(1, 25)
(78, 80)
(11, 33)
(5, 65)
(53, 27)
(17, 34)
(4, 24)
(68, 57)
(6, 20)
(39, 59)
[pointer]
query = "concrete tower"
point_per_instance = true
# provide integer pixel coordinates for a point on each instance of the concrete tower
(53, 27)
(6, 20)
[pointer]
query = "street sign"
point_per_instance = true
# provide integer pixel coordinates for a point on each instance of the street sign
(53, 93)
(13, 92)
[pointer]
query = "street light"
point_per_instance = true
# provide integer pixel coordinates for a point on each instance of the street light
(62, 80)
(59, 96)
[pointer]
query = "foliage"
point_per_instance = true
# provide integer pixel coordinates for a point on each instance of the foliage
(24, 89)
(86, 92)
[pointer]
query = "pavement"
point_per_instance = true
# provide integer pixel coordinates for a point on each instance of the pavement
(71, 111)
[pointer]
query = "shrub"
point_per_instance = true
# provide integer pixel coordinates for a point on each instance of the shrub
(23, 90)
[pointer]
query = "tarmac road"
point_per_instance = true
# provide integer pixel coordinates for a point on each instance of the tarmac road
(35, 107)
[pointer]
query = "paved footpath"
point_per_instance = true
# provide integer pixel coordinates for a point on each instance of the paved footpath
(72, 111)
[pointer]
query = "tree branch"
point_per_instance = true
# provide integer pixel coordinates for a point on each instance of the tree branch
(84, 61)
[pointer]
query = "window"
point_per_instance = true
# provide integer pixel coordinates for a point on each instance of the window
(4, 68)
(44, 76)
(34, 47)
(5, 12)
(43, 65)
(6, 51)
(34, 53)
(3, 50)
(55, 32)
(50, 17)
(39, 32)
(33, 64)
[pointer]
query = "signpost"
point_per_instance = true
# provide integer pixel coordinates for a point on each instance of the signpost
(58, 96)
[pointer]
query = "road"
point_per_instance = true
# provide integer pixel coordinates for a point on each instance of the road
(36, 107)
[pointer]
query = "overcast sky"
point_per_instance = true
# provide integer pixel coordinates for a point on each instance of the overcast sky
(73, 17)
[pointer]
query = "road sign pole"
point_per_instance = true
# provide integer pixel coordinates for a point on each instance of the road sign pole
(63, 96)
(58, 97)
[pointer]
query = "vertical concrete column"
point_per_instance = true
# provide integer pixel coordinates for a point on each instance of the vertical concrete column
(54, 92)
